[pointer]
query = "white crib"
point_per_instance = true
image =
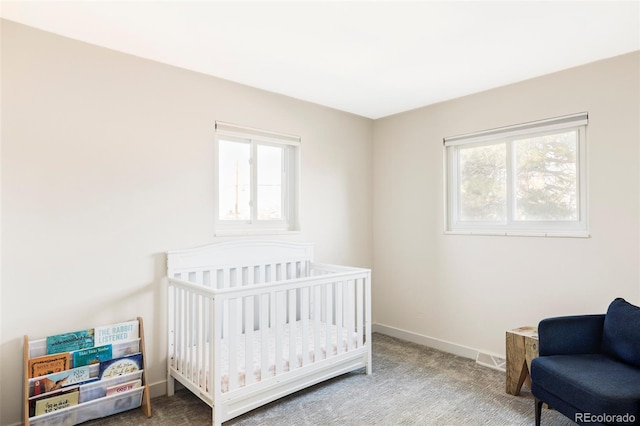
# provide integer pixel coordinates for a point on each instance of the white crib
(252, 321)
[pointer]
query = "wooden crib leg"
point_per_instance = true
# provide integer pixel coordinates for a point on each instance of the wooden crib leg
(171, 385)
(217, 416)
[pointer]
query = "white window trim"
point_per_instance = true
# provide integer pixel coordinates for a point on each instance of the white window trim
(579, 228)
(290, 224)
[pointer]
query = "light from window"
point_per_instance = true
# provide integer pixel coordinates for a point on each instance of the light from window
(257, 180)
(270, 174)
(234, 166)
(528, 179)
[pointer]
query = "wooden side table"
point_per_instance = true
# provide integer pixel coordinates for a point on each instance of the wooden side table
(522, 347)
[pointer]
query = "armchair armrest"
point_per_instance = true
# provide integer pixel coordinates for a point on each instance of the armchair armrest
(577, 334)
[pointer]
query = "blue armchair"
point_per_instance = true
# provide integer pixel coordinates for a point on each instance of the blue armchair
(588, 367)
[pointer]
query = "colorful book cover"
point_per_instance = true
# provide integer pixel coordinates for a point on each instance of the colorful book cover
(116, 332)
(123, 387)
(55, 403)
(92, 355)
(119, 366)
(46, 396)
(56, 381)
(69, 342)
(48, 364)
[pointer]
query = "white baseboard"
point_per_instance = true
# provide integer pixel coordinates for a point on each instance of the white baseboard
(432, 342)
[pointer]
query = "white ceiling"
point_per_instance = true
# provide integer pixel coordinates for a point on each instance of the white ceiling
(369, 58)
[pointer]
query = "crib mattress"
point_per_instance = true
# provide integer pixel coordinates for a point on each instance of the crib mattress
(256, 346)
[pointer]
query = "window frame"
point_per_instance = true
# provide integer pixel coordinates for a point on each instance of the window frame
(507, 136)
(290, 181)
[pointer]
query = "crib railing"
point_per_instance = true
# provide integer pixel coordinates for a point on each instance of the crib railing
(241, 275)
(296, 313)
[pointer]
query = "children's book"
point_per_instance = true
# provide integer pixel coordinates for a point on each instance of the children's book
(115, 333)
(69, 342)
(92, 355)
(124, 387)
(55, 381)
(48, 364)
(37, 401)
(55, 403)
(119, 366)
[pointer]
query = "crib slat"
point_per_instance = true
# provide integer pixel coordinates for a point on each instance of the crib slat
(328, 302)
(279, 330)
(251, 275)
(198, 340)
(173, 326)
(339, 324)
(273, 325)
(197, 348)
(272, 310)
(248, 336)
(214, 278)
(204, 339)
(350, 312)
(180, 346)
(359, 310)
(225, 319)
(189, 336)
(304, 321)
(317, 312)
(220, 284)
(171, 308)
(264, 336)
(214, 348)
(195, 331)
(262, 274)
(234, 334)
(293, 359)
(235, 277)
(183, 329)
(226, 276)
(180, 328)
(289, 271)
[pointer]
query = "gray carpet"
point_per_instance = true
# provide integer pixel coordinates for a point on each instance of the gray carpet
(410, 385)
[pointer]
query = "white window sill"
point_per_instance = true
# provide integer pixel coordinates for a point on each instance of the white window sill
(566, 234)
(253, 232)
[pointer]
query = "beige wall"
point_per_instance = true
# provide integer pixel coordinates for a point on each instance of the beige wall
(467, 290)
(107, 164)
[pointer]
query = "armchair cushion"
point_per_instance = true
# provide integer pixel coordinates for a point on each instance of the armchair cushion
(621, 333)
(596, 381)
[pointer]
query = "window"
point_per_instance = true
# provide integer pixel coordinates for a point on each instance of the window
(256, 180)
(528, 179)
